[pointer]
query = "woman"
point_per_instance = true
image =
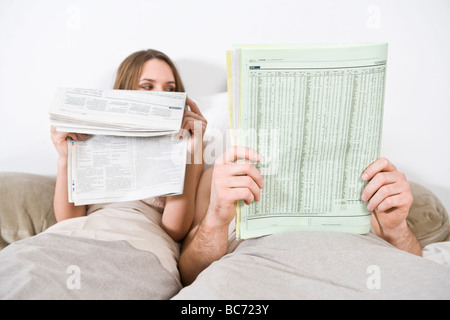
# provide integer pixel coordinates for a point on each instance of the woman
(148, 70)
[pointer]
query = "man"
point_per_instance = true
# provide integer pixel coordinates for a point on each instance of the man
(387, 193)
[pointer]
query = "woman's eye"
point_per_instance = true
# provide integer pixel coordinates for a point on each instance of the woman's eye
(170, 89)
(147, 87)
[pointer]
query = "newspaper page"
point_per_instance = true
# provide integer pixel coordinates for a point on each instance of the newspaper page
(111, 168)
(315, 115)
(109, 112)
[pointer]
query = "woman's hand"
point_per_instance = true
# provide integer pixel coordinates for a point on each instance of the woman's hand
(195, 124)
(192, 120)
(233, 181)
(59, 140)
(63, 209)
(389, 196)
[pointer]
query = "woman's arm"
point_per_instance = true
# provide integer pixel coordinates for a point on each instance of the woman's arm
(179, 210)
(62, 207)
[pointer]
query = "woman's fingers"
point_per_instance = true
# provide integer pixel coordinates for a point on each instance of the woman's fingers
(59, 135)
(193, 106)
(77, 136)
(193, 120)
(189, 116)
(60, 139)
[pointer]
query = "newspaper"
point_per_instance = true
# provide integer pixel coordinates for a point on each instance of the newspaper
(132, 151)
(110, 168)
(314, 113)
(117, 112)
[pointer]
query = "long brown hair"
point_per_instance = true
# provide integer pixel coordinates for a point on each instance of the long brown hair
(130, 70)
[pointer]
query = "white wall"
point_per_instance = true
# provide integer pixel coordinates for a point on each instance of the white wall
(46, 44)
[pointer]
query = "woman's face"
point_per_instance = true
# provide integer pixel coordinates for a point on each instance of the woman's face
(156, 76)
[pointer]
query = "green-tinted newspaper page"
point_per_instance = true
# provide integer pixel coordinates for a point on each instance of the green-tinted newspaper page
(314, 114)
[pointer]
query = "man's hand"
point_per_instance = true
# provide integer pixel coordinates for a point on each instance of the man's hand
(233, 181)
(389, 198)
(388, 194)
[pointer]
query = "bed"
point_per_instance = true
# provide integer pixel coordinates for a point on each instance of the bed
(121, 252)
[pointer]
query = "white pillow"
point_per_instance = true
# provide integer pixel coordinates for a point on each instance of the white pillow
(217, 136)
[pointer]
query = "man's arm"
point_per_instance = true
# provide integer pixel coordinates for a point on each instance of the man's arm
(403, 238)
(217, 193)
(205, 244)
